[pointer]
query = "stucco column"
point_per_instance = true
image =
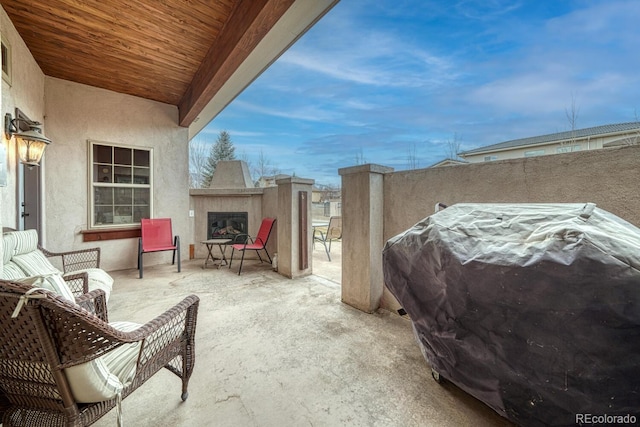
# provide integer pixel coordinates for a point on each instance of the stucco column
(293, 191)
(362, 235)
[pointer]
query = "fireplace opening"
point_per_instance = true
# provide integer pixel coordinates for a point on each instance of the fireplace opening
(227, 225)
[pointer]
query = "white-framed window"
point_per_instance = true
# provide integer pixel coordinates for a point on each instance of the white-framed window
(533, 153)
(490, 158)
(121, 184)
(5, 50)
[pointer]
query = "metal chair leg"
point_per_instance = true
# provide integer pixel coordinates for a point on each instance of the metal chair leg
(326, 250)
(178, 247)
(241, 261)
(231, 259)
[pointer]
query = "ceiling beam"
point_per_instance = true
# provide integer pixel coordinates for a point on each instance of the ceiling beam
(249, 23)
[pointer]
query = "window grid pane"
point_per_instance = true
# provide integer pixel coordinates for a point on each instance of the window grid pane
(141, 158)
(121, 179)
(122, 175)
(122, 156)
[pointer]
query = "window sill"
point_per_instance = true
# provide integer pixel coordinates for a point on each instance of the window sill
(110, 234)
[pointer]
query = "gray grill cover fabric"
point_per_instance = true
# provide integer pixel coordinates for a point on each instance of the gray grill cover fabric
(533, 309)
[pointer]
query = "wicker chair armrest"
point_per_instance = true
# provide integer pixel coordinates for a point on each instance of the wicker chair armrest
(175, 324)
(94, 302)
(77, 282)
(81, 337)
(76, 260)
(153, 326)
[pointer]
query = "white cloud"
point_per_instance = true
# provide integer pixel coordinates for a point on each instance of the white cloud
(307, 112)
(381, 80)
(486, 9)
(370, 57)
(213, 132)
(590, 52)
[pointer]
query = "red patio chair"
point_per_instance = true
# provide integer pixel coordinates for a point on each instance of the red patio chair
(157, 236)
(257, 244)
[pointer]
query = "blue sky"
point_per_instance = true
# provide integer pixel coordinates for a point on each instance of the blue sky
(390, 82)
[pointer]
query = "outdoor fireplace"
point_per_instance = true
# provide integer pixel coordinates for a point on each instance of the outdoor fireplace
(227, 225)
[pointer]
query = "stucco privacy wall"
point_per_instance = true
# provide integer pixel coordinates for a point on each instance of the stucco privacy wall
(211, 200)
(76, 113)
(294, 198)
(26, 92)
(608, 178)
(270, 210)
(281, 202)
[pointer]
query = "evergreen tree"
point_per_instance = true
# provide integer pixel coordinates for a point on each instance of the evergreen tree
(223, 149)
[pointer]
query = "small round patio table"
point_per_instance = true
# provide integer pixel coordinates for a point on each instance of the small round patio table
(222, 246)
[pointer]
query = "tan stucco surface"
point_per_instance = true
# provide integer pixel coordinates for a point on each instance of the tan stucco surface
(211, 201)
(77, 113)
(294, 195)
(26, 92)
(608, 178)
(362, 235)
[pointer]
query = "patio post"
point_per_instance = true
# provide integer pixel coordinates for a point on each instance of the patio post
(362, 235)
(294, 200)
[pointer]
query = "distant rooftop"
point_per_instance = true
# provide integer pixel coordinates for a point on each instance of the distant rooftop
(448, 162)
(557, 137)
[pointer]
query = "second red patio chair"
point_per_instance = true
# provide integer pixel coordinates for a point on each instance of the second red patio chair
(257, 244)
(157, 236)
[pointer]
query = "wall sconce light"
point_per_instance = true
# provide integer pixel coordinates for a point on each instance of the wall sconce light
(31, 142)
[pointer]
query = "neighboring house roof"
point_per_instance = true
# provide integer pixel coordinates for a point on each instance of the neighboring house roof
(557, 137)
(449, 162)
(627, 140)
(197, 55)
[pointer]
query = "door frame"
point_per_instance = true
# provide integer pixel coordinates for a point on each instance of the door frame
(29, 181)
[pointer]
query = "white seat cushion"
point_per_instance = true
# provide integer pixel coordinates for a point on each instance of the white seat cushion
(9, 247)
(24, 241)
(11, 271)
(34, 263)
(103, 378)
(98, 279)
(51, 282)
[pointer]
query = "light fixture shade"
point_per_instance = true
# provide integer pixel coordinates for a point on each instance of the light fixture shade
(31, 145)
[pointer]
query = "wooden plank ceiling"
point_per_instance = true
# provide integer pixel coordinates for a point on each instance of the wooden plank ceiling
(179, 52)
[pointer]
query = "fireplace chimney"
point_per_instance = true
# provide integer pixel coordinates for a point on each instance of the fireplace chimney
(231, 174)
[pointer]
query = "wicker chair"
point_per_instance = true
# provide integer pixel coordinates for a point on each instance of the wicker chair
(75, 264)
(73, 261)
(43, 334)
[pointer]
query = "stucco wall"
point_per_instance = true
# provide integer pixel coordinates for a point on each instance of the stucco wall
(608, 178)
(76, 113)
(270, 210)
(259, 203)
(294, 198)
(208, 200)
(26, 92)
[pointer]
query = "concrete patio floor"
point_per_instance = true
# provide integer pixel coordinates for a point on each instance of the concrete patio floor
(271, 351)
